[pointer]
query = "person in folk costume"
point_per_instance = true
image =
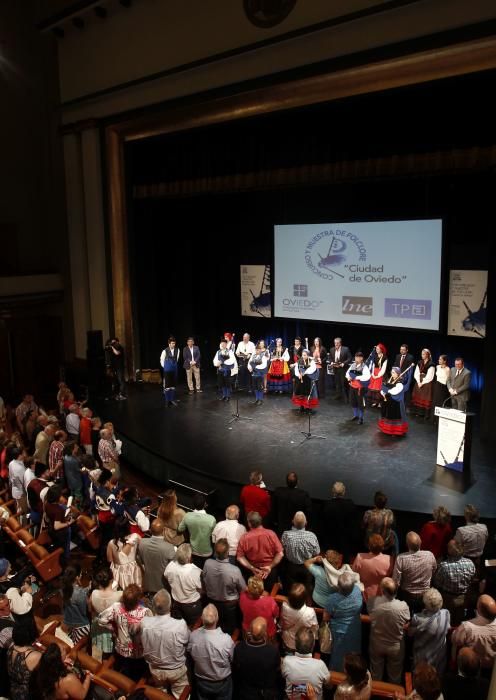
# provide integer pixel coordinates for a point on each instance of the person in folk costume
(231, 345)
(393, 414)
(319, 354)
(224, 361)
(305, 386)
(279, 376)
(169, 360)
(294, 357)
(423, 386)
(244, 351)
(358, 375)
(377, 363)
(258, 366)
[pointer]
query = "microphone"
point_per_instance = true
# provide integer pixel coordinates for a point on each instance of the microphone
(445, 400)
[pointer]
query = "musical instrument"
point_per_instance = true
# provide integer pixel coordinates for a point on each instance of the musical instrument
(394, 381)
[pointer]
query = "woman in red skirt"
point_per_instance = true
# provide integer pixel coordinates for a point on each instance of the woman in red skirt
(422, 390)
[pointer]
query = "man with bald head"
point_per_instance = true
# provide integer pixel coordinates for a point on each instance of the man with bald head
(212, 652)
(231, 530)
(480, 633)
(413, 571)
(223, 583)
(466, 682)
(388, 616)
(256, 664)
(154, 553)
(299, 545)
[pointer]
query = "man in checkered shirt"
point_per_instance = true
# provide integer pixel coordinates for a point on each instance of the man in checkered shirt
(453, 579)
(299, 545)
(413, 571)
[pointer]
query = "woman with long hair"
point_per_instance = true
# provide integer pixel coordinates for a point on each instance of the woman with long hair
(75, 604)
(54, 680)
(121, 554)
(104, 595)
(319, 354)
(171, 515)
(22, 658)
(378, 365)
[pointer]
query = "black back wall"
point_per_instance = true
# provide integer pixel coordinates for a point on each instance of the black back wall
(186, 252)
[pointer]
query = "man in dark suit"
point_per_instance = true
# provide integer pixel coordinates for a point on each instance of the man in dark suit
(287, 501)
(338, 524)
(459, 385)
(339, 360)
(191, 363)
(403, 360)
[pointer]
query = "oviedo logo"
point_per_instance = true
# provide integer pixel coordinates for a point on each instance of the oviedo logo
(329, 250)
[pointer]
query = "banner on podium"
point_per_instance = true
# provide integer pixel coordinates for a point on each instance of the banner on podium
(450, 438)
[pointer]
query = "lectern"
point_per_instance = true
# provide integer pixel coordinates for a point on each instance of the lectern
(454, 439)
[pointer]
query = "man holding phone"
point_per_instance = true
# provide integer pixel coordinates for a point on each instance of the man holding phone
(302, 670)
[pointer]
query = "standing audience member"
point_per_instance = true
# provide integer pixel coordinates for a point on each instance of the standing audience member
(255, 497)
(212, 652)
(253, 603)
(164, 642)
(75, 604)
(388, 617)
(22, 659)
(199, 525)
(344, 608)
(358, 683)
(102, 597)
(413, 571)
(16, 481)
(52, 678)
(256, 665)
(436, 534)
(85, 427)
(453, 578)
(26, 406)
(426, 683)
(299, 545)
(260, 551)
(302, 669)
(230, 529)
(107, 452)
(380, 521)
(338, 522)
(124, 619)
(466, 681)
(223, 584)
(373, 566)
(155, 554)
(295, 614)
(56, 451)
(72, 422)
(121, 555)
(479, 633)
(171, 515)
(323, 587)
(42, 445)
(472, 536)
(287, 500)
(429, 629)
(72, 472)
(184, 579)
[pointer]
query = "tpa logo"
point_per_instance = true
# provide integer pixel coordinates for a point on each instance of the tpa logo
(357, 306)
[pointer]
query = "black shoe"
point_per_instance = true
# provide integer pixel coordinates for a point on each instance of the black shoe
(352, 419)
(173, 403)
(253, 403)
(191, 393)
(169, 404)
(360, 422)
(259, 402)
(228, 398)
(302, 409)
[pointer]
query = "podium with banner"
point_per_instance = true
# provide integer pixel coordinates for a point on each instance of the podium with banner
(454, 439)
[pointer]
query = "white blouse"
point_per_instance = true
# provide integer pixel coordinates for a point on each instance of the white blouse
(442, 374)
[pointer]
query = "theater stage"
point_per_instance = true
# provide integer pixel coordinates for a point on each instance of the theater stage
(195, 444)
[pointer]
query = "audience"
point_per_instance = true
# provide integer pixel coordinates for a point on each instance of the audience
(102, 597)
(358, 683)
(473, 536)
(54, 679)
(479, 633)
(253, 603)
(171, 515)
(323, 587)
(339, 521)
(164, 641)
(223, 584)
(413, 571)
(388, 617)
(288, 500)
(453, 578)
(373, 566)
(231, 530)
(380, 521)
(426, 683)
(184, 579)
(429, 630)
(260, 551)
(75, 604)
(295, 614)
(466, 682)
(154, 554)
(212, 652)
(255, 497)
(436, 534)
(199, 525)
(121, 554)
(302, 668)
(256, 664)
(22, 659)
(299, 545)
(344, 608)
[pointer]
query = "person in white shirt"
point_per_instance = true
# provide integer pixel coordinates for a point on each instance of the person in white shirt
(16, 481)
(472, 536)
(72, 422)
(302, 668)
(184, 579)
(231, 530)
(244, 351)
(29, 474)
(295, 614)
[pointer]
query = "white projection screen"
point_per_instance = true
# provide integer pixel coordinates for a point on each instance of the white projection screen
(381, 273)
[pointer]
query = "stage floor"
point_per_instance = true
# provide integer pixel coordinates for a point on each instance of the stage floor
(197, 435)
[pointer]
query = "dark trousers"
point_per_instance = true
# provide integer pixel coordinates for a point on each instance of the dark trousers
(199, 561)
(244, 377)
(132, 668)
(340, 382)
(228, 614)
(189, 612)
(121, 382)
(214, 690)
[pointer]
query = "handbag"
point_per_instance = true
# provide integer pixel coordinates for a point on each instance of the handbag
(325, 638)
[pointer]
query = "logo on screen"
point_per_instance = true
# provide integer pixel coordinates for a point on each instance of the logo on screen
(300, 290)
(408, 308)
(357, 306)
(327, 252)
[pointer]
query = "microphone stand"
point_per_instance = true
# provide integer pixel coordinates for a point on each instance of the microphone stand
(308, 435)
(236, 416)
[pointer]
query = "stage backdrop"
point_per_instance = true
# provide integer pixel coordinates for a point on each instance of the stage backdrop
(467, 303)
(256, 299)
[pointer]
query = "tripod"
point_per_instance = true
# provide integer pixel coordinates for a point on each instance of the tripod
(235, 415)
(308, 434)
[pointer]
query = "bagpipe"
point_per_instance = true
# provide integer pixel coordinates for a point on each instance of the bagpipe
(405, 375)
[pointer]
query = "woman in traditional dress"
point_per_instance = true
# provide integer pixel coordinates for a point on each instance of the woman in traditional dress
(422, 389)
(279, 376)
(439, 390)
(258, 366)
(377, 363)
(319, 354)
(305, 389)
(393, 415)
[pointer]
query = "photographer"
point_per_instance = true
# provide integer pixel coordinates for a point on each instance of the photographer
(115, 360)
